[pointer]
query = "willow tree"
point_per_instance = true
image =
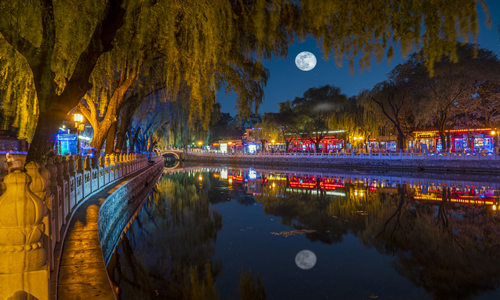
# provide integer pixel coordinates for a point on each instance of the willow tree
(206, 43)
(18, 103)
(59, 42)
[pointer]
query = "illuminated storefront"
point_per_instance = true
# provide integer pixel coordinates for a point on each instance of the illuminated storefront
(329, 144)
(461, 140)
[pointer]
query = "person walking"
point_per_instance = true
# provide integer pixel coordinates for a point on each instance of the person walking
(10, 160)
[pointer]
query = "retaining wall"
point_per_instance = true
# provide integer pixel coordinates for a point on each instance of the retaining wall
(479, 165)
(121, 206)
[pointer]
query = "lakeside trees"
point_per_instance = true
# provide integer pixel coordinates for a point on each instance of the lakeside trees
(204, 44)
(462, 94)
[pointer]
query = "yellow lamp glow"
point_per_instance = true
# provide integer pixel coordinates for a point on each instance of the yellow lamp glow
(230, 180)
(274, 184)
(493, 132)
(272, 141)
(355, 138)
(229, 143)
(200, 178)
(360, 137)
(494, 207)
(200, 143)
(77, 118)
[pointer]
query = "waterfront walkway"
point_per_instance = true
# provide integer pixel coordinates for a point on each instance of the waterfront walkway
(82, 272)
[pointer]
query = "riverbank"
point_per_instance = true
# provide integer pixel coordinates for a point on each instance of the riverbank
(405, 162)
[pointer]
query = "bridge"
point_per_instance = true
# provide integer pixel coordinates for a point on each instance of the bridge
(173, 154)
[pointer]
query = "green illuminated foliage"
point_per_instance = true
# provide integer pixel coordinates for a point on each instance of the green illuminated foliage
(205, 45)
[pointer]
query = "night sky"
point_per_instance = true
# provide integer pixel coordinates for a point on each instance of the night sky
(287, 81)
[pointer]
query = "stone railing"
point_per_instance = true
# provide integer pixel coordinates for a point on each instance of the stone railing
(374, 155)
(441, 162)
(36, 205)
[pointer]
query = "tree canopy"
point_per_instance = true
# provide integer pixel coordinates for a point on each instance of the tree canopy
(204, 45)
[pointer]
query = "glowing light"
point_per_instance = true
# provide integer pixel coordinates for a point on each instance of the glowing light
(77, 118)
(355, 138)
(85, 138)
(272, 141)
(200, 178)
(274, 184)
(252, 148)
(493, 132)
(360, 138)
(229, 143)
(252, 174)
(494, 207)
(230, 180)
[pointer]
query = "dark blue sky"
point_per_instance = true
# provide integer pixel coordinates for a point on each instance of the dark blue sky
(287, 81)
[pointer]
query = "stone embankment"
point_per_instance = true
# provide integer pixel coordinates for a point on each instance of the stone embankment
(451, 163)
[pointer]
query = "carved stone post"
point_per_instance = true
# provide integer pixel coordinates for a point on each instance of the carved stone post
(39, 185)
(23, 258)
(72, 182)
(61, 191)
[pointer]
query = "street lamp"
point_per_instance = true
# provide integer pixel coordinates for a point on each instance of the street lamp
(78, 118)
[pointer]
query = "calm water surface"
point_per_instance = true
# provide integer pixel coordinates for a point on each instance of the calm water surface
(230, 233)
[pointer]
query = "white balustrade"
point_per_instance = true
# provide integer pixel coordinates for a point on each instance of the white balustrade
(357, 155)
(56, 188)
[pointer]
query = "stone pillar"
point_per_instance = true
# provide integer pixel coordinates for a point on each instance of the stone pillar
(79, 164)
(87, 164)
(56, 201)
(71, 165)
(39, 185)
(23, 257)
(62, 190)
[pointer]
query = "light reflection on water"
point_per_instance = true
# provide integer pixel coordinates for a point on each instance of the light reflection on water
(230, 233)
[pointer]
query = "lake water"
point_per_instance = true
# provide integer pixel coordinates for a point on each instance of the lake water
(231, 233)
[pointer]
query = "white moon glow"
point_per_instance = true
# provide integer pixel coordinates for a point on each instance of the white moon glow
(305, 60)
(305, 259)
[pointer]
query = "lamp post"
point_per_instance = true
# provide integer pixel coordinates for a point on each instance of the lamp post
(78, 118)
(494, 134)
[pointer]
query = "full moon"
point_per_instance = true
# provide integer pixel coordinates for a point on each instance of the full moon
(305, 60)
(305, 259)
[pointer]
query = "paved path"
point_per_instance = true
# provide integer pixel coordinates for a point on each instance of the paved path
(82, 273)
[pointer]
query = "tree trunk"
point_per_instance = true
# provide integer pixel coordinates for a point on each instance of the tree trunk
(53, 108)
(110, 139)
(401, 140)
(442, 136)
(98, 140)
(44, 138)
(120, 140)
(134, 140)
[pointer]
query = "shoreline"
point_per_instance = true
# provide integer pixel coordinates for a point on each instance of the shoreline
(489, 166)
